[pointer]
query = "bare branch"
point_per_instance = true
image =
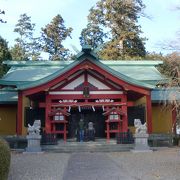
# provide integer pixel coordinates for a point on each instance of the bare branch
(2, 12)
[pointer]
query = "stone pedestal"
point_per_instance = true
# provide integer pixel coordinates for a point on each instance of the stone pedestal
(141, 143)
(33, 141)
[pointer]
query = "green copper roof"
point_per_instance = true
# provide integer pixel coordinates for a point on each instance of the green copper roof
(65, 63)
(8, 97)
(168, 94)
(25, 74)
(65, 69)
(139, 72)
(47, 78)
(37, 63)
(124, 76)
(29, 71)
(132, 62)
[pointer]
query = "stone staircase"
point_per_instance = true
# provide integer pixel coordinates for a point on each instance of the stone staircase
(100, 145)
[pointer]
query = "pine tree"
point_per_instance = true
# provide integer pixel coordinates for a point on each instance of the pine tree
(53, 36)
(4, 55)
(120, 17)
(27, 47)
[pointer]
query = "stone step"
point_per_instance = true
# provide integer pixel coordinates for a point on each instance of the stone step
(87, 148)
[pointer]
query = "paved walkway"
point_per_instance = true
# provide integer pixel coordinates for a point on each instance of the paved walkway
(163, 164)
(93, 166)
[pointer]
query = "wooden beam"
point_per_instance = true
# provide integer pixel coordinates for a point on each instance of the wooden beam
(47, 118)
(43, 105)
(92, 96)
(125, 117)
(88, 104)
(149, 113)
(130, 103)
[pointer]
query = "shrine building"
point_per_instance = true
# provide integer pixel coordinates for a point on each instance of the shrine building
(109, 93)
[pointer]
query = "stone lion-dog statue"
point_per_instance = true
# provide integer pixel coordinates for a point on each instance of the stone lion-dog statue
(140, 128)
(35, 128)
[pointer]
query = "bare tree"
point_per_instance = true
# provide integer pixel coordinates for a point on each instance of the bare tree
(2, 12)
(171, 93)
(172, 45)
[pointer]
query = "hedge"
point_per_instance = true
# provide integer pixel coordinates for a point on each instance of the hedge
(5, 157)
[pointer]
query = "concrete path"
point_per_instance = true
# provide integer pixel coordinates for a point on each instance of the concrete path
(93, 166)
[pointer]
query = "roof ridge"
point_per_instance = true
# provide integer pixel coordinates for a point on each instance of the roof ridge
(64, 63)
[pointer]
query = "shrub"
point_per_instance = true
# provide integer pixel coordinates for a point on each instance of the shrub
(5, 157)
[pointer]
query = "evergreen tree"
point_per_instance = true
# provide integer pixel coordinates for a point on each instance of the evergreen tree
(92, 35)
(35, 48)
(120, 17)
(4, 55)
(53, 36)
(18, 53)
(27, 47)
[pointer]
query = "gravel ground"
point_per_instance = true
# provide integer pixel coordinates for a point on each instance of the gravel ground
(163, 164)
(158, 165)
(46, 166)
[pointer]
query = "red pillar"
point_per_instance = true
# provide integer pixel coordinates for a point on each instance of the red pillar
(47, 118)
(125, 117)
(20, 113)
(149, 113)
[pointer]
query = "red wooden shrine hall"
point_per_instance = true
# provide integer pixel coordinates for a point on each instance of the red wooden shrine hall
(86, 83)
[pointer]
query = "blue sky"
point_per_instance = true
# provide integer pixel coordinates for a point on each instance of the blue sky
(162, 27)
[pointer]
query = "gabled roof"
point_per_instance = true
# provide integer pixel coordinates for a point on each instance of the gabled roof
(118, 111)
(27, 74)
(29, 71)
(59, 110)
(30, 84)
(124, 77)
